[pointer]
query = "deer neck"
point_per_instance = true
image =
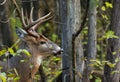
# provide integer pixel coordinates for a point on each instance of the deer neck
(35, 58)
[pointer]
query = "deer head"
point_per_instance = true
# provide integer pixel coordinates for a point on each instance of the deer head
(38, 43)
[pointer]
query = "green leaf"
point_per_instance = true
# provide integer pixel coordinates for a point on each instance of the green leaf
(54, 37)
(98, 79)
(98, 48)
(47, 25)
(2, 52)
(98, 62)
(31, 65)
(23, 51)
(3, 77)
(113, 72)
(85, 30)
(110, 34)
(56, 58)
(22, 61)
(105, 17)
(42, 28)
(15, 22)
(110, 64)
(108, 4)
(11, 51)
(11, 75)
(117, 60)
(91, 76)
(1, 67)
(103, 8)
(16, 79)
(26, 53)
(114, 53)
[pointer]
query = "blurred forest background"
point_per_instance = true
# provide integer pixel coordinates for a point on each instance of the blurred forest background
(87, 30)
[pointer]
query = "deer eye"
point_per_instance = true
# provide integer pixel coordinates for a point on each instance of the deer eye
(42, 42)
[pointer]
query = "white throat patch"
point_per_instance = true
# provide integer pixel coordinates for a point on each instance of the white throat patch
(39, 60)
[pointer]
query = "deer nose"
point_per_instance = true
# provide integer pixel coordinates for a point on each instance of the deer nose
(61, 50)
(58, 52)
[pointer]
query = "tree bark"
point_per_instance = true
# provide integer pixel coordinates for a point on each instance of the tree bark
(70, 22)
(6, 36)
(91, 54)
(113, 74)
(77, 44)
(66, 36)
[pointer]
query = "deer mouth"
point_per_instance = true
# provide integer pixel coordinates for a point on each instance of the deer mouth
(58, 52)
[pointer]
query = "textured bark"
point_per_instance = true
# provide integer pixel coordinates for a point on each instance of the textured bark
(66, 36)
(114, 46)
(77, 46)
(70, 22)
(91, 54)
(5, 26)
(79, 62)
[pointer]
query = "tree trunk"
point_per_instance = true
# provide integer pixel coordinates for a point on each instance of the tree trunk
(77, 44)
(112, 73)
(79, 62)
(66, 36)
(6, 36)
(91, 54)
(70, 22)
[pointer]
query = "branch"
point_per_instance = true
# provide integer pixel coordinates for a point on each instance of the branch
(83, 22)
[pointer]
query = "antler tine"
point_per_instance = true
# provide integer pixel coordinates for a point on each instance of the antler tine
(20, 13)
(31, 25)
(3, 2)
(17, 7)
(50, 15)
(22, 18)
(37, 22)
(43, 18)
(31, 13)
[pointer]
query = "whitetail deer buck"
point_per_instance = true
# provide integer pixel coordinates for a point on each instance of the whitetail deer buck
(37, 45)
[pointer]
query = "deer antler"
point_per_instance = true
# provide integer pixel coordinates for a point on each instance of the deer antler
(40, 20)
(3, 2)
(32, 25)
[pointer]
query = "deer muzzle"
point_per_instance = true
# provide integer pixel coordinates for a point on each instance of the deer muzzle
(58, 51)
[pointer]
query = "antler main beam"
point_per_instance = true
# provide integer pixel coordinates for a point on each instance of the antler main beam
(39, 20)
(3, 2)
(31, 24)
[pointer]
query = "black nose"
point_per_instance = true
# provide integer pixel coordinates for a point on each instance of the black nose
(58, 52)
(61, 50)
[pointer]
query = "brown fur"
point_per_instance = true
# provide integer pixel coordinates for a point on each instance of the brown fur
(38, 48)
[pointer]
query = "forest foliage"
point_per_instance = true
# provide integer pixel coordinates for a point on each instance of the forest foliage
(52, 65)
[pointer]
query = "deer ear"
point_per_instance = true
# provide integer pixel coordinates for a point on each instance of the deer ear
(20, 32)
